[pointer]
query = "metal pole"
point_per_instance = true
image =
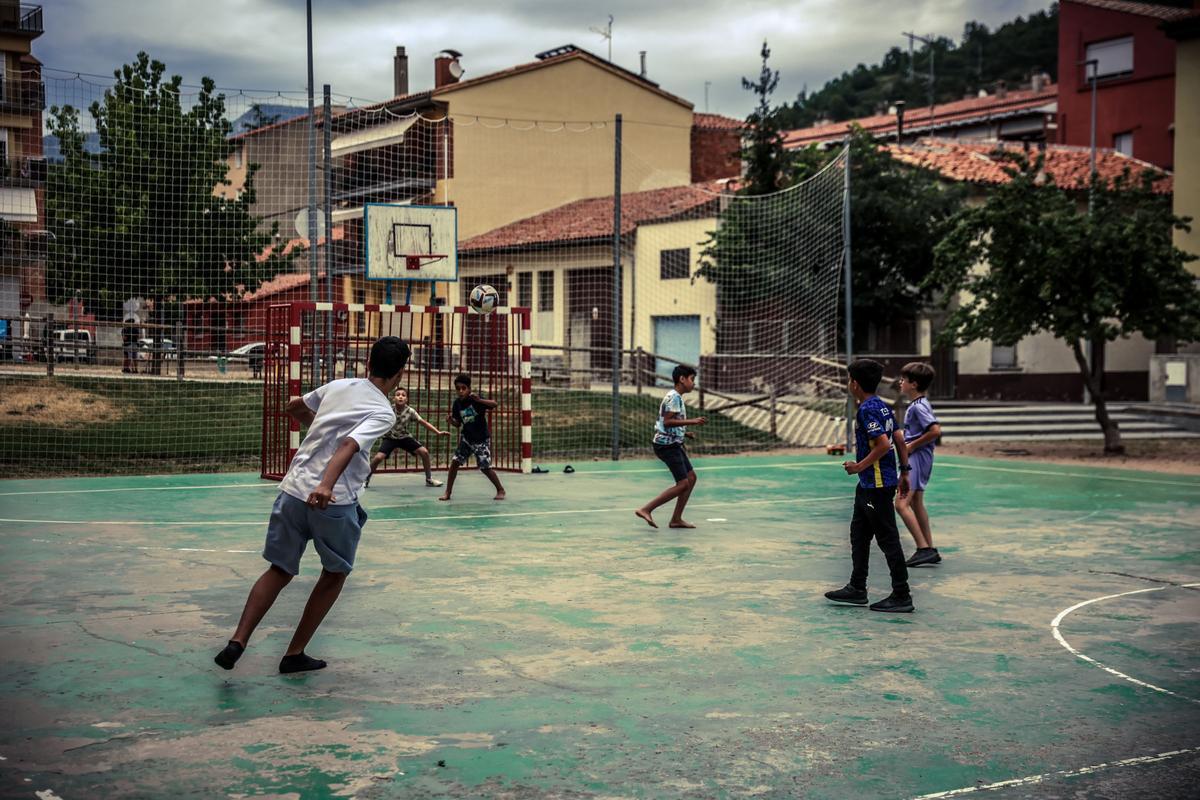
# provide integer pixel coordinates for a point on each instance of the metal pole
(1093, 64)
(616, 294)
(312, 185)
(848, 275)
(327, 127)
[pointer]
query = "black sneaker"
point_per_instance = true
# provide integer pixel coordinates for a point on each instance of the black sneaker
(937, 557)
(901, 604)
(848, 594)
(923, 556)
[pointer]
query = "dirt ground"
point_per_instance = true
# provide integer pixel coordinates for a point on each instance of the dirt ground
(1177, 456)
(46, 403)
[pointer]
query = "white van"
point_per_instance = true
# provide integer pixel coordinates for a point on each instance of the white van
(74, 344)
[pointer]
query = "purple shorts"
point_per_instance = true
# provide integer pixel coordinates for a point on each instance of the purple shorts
(921, 462)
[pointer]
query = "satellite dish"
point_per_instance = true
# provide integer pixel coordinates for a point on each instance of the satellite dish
(302, 223)
(456, 69)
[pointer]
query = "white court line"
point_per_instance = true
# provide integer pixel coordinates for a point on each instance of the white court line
(273, 485)
(1062, 773)
(1095, 477)
(380, 522)
(1067, 773)
(1058, 635)
(259, 485)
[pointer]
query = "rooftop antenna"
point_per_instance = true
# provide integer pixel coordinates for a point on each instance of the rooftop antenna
(706, 85)
(928, 42)
(606, 32)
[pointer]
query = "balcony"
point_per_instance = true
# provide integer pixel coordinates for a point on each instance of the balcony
(26, 173)
(21, 19)
(22, 96)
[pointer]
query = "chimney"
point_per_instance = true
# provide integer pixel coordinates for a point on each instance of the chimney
(1036, 82)
(446, 69)
(400, 73)
(642, 53)
(1001, 90)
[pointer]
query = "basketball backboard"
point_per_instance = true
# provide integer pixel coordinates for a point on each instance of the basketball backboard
(411, 243)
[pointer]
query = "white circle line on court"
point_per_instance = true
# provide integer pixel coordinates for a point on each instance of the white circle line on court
(265, 484)
(1062, 773)
(381, 522)
(1054, 627)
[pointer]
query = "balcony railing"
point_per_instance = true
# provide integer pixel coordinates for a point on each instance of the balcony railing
(27, 19)
(28, 173)
(22, 96)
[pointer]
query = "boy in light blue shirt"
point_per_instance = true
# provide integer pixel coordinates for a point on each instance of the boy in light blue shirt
(921, 433)
(669, 433)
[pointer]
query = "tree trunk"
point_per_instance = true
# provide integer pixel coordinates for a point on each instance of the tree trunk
(1112, 434)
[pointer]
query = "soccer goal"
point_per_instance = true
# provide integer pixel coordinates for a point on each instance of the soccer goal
(309, 344)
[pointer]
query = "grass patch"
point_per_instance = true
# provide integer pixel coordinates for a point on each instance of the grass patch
(81, 425)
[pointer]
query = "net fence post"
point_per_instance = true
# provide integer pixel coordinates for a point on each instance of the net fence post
(849, 299)
(616, 294)
(179, 348)
(312, 183)
(48, 344)
(327, 127)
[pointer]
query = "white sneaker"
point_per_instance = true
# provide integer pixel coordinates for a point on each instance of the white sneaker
(432, 482)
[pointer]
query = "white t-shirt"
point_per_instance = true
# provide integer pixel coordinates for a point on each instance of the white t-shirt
(351, 407)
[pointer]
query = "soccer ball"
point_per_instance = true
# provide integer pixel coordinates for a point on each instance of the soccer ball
(484, 299)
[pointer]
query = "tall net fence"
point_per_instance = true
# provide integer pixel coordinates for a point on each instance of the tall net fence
(148, 228)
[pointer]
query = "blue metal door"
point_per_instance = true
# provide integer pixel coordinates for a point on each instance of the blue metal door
(675, 338)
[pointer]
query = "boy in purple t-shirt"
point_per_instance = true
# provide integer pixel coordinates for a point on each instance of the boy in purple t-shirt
(921, 432)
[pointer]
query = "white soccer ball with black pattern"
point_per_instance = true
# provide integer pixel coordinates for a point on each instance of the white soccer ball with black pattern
(484, 299)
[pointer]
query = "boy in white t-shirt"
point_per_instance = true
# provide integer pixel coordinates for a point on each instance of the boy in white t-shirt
(669, 433)
(318, 498)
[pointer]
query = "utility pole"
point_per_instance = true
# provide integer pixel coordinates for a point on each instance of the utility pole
(928, 42)
(707, 84)
(1094, 65)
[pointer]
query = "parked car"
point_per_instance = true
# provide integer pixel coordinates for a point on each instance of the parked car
(251, 354)
(74, 344)
(145, 351)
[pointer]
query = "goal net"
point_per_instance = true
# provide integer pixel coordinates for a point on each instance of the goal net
(310, 344)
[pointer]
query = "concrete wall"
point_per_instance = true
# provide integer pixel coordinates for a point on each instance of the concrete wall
(1187, 145)
(509, 171)
(1168, 389)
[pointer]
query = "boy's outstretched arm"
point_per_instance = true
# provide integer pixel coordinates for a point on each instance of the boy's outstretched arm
(297, 409)
(930, 434)
(323, 494)
(672, 420)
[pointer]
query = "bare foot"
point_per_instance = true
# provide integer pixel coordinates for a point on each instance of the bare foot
(646, 516)
(444, 497)
(499, 496)
(681, 523)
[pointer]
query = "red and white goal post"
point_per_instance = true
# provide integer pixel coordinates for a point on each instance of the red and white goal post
(309, 344)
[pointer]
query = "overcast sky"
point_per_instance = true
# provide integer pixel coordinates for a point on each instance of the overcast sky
(260, 44)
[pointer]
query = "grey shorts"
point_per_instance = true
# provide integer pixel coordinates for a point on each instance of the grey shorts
(334, 533)
(481, 450)
(922, 467)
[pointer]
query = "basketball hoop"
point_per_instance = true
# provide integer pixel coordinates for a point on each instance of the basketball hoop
(415, 262)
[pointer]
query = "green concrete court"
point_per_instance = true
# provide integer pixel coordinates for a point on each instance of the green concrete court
(554, 646)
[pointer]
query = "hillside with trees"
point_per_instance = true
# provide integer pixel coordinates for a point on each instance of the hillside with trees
(981, 60)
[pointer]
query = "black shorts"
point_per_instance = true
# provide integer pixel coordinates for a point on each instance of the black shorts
(408, 444)
(676, 458)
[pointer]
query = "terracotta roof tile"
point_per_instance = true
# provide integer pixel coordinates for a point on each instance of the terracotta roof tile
(591, 219)
(716, 122)
(1155, 10)
(979, 162)
(944, 115)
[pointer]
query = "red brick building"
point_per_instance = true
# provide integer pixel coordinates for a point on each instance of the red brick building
(1135, 76)
(716, 147)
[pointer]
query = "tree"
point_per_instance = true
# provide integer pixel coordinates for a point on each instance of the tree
(1031, 259)
(141, 219)
(767, 162)
(259, 118)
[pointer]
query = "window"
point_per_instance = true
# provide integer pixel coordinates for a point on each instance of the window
(525, 289)
(1004, 357)
(1113, 58)
(674, 264)
(1123, 143)
(546, 290)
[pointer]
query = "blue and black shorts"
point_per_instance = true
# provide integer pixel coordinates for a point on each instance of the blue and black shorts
(676, 459)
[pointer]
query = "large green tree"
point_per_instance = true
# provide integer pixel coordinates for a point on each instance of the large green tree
(142, 218)
(1033, 259)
